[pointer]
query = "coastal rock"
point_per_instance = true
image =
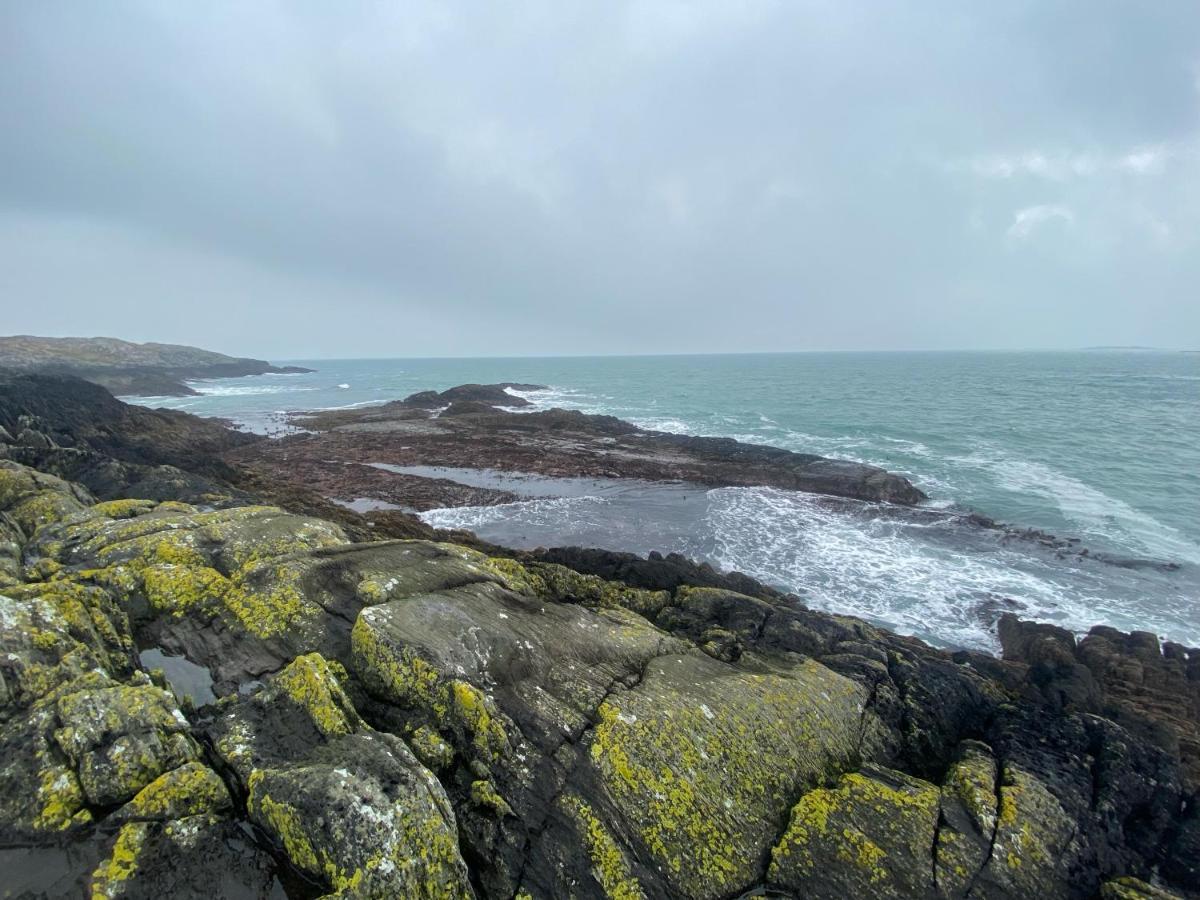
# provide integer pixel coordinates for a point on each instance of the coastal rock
(558, 443)
(486, 395)
(870, 836)
(349, 806)
(198, 857)
(122, 367)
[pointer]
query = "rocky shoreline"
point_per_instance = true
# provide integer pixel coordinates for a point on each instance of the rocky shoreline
(402, 712)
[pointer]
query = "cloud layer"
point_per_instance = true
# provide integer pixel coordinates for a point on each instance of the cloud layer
(553, 177)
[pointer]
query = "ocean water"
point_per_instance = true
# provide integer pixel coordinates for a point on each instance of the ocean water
(1103, 446)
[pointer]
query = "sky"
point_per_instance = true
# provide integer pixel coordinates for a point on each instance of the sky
(302, 179)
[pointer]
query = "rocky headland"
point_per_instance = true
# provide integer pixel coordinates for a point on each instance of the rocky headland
(214, 681)
(125, 368)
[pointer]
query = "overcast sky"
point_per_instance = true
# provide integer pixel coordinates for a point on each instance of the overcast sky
(299, 179)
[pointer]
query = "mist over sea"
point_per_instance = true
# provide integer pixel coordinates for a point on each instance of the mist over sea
(1099, 445)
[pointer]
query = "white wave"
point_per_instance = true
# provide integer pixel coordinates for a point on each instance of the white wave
(570, 511)
(343, 387)
(208, 389)
(879, 570)
(669, 425)
(358, 405)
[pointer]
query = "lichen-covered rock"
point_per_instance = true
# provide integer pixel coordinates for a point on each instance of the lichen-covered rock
(969, 810)
(701, 761)
(40, 790)
(199, 857)
(121, 738)
(37, 653)
(192, 789)
(349, 806)
(547, 666)
(1032, 849)
(1129, 888)
(870, 836)
(33, 499)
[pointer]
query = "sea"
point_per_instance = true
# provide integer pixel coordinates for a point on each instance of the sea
(1101, 446)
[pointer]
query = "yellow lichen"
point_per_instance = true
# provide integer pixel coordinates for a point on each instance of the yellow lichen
(108, 880)
(609, 866)
(192, 789)
(310, 682)
(485, 795)
(407, 679)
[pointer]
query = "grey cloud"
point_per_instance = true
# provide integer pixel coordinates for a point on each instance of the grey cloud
(538, 177)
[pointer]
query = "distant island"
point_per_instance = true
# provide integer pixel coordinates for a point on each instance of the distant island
(126, 368)
(1125, 347)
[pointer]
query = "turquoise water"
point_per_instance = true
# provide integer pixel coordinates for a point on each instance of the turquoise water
(1103, 446)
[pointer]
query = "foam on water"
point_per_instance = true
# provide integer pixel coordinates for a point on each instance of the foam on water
(936, 577)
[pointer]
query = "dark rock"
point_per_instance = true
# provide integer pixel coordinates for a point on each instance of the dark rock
(487, 395)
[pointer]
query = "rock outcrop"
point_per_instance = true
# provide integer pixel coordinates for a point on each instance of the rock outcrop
(466, 427)
(421, 719)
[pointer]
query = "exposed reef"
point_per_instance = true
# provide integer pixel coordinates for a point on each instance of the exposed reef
(469, 427)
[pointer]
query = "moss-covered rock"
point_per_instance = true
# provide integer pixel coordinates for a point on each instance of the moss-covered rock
(870, 836)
